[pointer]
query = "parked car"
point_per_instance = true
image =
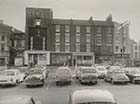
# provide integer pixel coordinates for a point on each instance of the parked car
(19, 99)
(11, 77)
(101, 70)
(63, 75)
(88, 75)
(44, 69)
(115, 76)
(91, 96)
(115, 67)
(35, 77)
(133, 74)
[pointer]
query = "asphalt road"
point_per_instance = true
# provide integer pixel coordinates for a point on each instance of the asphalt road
(52, 94)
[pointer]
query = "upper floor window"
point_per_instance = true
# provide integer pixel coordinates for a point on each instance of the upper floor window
(109, 39)
(135, 47)
(88, 29)
(77, 47)
(2, 47)
(67, 47)
(88, 37)
(77, 37)
(57, 37)
(98, 38)
(88, 47)
(57, 27)
(2, 38)
(67, 28)
(98, 29)
(117, 48)
(57, 47)
(108, 29)
(67, 37)
(37, 22)
(77, 28)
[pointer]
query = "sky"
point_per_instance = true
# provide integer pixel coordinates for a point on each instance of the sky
(12, 12)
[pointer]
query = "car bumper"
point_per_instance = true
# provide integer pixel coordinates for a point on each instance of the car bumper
(121, 81)
(89, 80)
(6, 83)
(63, 80)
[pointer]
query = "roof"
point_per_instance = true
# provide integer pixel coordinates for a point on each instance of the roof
(90, 95)
(14, 99)
(17, 31)
(81, 22)
(5, 27)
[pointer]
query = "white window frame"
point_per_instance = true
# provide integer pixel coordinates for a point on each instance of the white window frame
(77, 29)
(77, 38)
(57, 28)
(67, 47)
(77, 47)
(67, 37)
(57, 37)
(67, 28)
(57, 47)
(88, 48)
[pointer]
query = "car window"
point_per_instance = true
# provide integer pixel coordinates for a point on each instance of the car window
(118, 71)
(88, 70)
(101, 69)
(8, 73)
(63, 71)
(35, 72)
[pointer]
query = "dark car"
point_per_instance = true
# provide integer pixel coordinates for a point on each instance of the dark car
(133, 74)
(116, 75)
(35, 77)
(88, 75)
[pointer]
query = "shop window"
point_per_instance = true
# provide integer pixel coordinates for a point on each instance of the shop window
(42, 57)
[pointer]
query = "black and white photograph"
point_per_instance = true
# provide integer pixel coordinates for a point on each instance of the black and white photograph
(69, 52)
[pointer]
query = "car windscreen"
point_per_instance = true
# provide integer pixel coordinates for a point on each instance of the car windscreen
(63, 71)
(97, 103)
(8, 73)
(101, 69)
(88, 70)
(118, 72)
(35, 72)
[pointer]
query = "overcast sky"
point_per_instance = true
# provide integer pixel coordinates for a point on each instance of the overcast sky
(13, 11)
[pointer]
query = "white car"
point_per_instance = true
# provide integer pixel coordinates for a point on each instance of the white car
(11, 77)
(91, 96)
(101, 70)
(19, 99)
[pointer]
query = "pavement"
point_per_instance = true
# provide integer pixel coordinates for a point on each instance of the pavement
(52, 94)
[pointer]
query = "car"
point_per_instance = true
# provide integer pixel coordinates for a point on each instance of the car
(101, 70)
(133, 74)
(114, 67)
(11, 77)
(116, 75)
(63, 75)
(91, 96)
(88, 75)
(19, 99)
(44, 69)
(35, 78)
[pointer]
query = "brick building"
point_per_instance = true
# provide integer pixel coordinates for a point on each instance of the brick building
(56, 41)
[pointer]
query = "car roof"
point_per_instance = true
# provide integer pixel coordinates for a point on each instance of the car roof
(63, 67)
(14, 99)
(12, 70)
(87, 67)
(90, 95)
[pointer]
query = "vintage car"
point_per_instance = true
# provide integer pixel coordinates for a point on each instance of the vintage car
(88, 75)
(133, 74)
(44, 69)
(91, 96)
(35, 77)
(19, 99)
(63, 75)
(116, 75)
(101, 70)
(11, 77)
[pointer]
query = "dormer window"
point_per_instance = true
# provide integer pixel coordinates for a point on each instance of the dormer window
(37, 22)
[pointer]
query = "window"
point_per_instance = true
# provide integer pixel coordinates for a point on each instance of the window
(2, 38)
(117, 48)
(77, 37)
(38, 22)
(116, 38)
(88, 29)
(99, 39)
(77, 47)
(2, 61)
(135, 47)
(109, 39)
(67, 47)
(108, 29)
(88, 37)
(124, 39)
(135, 54)
(87, 47)
(19, 43)
(57, 28)
(57, 47)
(67, 37)
(31, 43)
(57, 37)
(67, 28)
(98, 29)
(2, 47)
(78, 29)
(124, 48)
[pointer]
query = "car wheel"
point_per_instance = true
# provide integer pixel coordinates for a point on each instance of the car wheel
(112, 81)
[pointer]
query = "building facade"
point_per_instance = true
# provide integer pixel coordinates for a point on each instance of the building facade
(122, 50)
(67, 40)
(5, 32)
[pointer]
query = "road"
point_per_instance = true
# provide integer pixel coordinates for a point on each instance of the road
(52, 94)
